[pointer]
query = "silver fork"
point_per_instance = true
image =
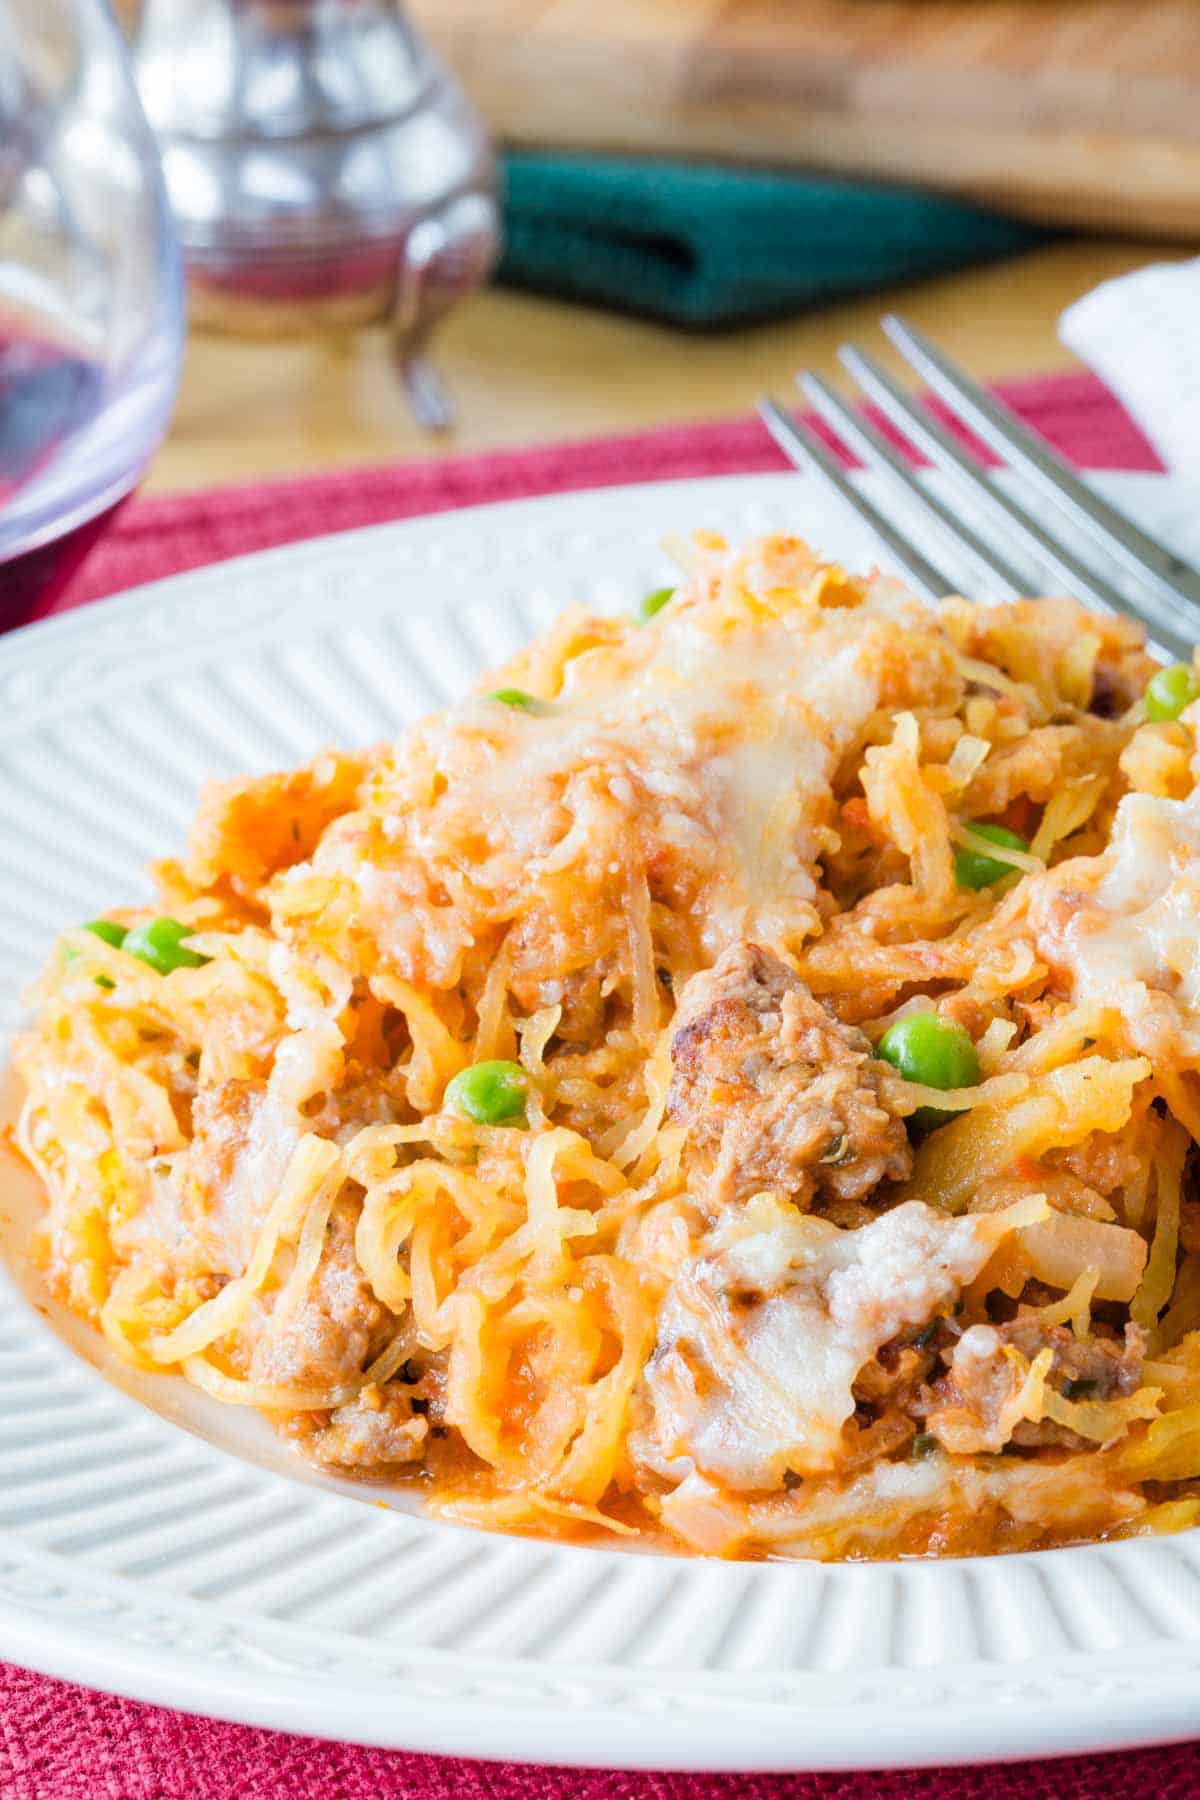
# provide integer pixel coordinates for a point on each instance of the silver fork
(1163, 591)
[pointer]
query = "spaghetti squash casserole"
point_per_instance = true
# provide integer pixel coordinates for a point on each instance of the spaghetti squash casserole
(732, 1082)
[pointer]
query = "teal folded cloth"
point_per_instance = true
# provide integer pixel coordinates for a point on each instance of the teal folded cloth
(699, 245)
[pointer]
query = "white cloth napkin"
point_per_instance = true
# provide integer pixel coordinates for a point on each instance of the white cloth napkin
(1141, 335)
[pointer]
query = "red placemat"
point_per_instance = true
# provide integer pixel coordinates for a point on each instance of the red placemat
(66, 1743)
(160, 536)
(59, 1742)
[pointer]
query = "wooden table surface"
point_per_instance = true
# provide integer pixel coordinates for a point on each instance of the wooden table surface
(524, 370)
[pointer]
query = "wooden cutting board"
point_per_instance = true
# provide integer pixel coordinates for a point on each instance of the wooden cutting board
(1083, 111)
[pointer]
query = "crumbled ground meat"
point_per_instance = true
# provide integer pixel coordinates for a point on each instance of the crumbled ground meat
(580, 993)
(331, 1336)
(776, 1093)
(582, 1001)
(1111, 1369)
(376, 1429)
(1112, 691)
(894, 1380)
(967, 1408)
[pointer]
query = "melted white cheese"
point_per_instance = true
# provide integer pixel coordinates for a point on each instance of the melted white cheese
(979, 1343)
(699, 751)
(728, 738)
(763, 1333)
(1139, 926)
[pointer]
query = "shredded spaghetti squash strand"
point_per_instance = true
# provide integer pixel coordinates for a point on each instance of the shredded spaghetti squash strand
(315, 1165)
(1159, 1280)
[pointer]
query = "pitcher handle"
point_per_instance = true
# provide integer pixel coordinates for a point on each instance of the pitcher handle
(445, 256)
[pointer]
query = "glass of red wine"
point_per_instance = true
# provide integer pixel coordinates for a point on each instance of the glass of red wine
(91, 296)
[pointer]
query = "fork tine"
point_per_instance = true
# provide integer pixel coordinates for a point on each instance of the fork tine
(862, 436)
(923, 429)
(805, 449)
(1000, 428)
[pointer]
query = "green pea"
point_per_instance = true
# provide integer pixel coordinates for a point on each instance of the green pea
(160, 944)
(923, 1445)
(972, 869)
(489, 1093)
(653, 603)
(933, 1051)
(107, 931)
(1168, 692)
(519, 700)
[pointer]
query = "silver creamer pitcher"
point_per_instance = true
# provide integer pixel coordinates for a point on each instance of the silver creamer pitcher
(323, 167)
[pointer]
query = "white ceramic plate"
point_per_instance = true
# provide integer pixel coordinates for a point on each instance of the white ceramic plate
(164, 1547)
